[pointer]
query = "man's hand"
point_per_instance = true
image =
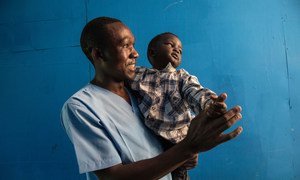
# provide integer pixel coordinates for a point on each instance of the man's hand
(205, 133)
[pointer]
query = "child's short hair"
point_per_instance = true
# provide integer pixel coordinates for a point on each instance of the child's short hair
(94, 34)
(154, 40)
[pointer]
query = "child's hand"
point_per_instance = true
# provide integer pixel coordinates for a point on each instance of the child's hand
(218, 107)
(191, 163)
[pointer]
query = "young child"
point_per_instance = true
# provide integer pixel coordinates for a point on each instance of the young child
(167, 97)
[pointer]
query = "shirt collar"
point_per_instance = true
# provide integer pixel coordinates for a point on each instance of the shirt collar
(169, 68)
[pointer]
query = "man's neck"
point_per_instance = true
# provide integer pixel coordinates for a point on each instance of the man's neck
(113, 86)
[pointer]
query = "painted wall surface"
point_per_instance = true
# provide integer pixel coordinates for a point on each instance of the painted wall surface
(249, 49)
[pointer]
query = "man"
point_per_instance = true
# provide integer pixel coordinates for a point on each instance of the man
(104, 123)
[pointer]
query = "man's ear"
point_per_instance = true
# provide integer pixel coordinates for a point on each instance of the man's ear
(97, 54)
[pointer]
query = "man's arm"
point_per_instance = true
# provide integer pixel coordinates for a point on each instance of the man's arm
(202, 136)
(153, 168)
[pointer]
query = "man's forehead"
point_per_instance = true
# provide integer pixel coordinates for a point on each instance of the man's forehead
(115, 25)
(119, 31)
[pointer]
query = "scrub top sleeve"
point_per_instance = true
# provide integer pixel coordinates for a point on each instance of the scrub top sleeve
(93, 146)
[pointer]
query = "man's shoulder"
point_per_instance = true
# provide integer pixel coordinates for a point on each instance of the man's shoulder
(87, 100)
(82, 96)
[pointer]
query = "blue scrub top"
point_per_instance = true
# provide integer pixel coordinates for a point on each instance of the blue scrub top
(105, 130)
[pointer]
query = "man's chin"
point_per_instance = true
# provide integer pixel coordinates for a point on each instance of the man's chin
(130, 76)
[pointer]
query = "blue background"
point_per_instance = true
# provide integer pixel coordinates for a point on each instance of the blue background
(248, 48)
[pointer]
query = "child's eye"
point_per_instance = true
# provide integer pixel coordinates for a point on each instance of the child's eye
(169, 44)
(125, 45)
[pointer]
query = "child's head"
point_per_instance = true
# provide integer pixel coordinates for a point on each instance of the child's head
(163, 49)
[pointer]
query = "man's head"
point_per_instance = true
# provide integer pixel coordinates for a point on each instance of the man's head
(109, 45)
(163, 49)
(94, 35)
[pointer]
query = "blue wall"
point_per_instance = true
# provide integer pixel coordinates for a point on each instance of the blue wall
(249, 49)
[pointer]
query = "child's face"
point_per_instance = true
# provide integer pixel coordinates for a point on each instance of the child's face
(167, 50)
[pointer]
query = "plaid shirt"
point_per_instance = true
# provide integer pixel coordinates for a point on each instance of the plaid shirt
(165, 98)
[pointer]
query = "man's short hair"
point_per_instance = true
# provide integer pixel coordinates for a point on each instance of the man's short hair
(94, 34)
(154, 40)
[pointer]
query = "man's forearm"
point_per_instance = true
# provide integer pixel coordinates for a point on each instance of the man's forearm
(153, 168)
(203, 135)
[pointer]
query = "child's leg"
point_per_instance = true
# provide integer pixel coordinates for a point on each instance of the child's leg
(180, 174)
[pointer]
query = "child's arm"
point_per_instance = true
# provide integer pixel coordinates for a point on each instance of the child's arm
(194, 93)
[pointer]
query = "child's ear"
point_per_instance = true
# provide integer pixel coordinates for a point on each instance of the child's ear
(152, 52)
(97, 54)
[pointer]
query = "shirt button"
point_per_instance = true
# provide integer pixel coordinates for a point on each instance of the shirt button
(157, 99)
(153, 108)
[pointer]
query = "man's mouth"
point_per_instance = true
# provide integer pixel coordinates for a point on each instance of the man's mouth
(131, 67)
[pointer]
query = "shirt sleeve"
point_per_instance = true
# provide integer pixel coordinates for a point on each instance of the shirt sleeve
(194, 93)
(93, 147)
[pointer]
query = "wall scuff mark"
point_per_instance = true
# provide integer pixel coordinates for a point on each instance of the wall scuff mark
(172, 4)
(286, 59)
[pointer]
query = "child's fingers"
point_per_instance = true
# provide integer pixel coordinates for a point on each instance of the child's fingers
(214, 97)
(216, 109)
(222, 97)
(217, 106)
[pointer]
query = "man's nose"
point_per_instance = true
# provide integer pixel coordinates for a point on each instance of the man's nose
(134, 54)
